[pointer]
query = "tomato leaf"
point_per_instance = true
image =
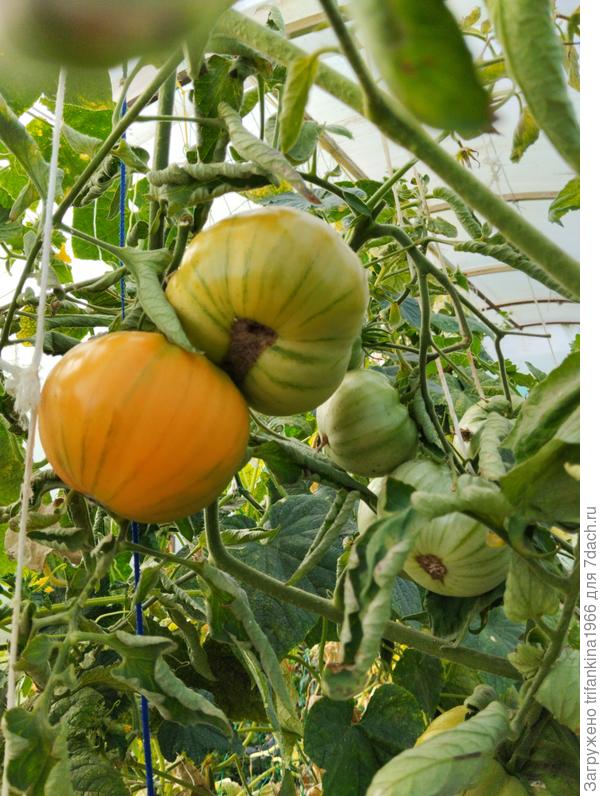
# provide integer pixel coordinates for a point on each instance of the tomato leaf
(559, 692)
(296, 520)
(216, 82)
(539, 70)
(147, 267)
(196, 741)
(11, 464)
(527, 596)
(300, 77)
(422, 675)
(37, 755)
(190, 184)
(350, 751)
(16, 138)
(490, 439)
(262, 154)
(526, 133)
(143, 669)
(376, 559)
(547, 407)
(506, 253)
(420, 51)
(447, 763)
(231, 619)
(566, 201)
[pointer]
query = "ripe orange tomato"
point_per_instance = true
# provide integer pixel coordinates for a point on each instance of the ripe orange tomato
(150, 431)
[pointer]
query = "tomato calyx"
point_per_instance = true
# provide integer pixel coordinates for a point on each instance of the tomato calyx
(433, 566)
(249, 339)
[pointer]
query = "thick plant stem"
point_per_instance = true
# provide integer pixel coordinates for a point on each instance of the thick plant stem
(553, 651)
(162, 145)
(405, 131)
(394, 631)
(424, 343)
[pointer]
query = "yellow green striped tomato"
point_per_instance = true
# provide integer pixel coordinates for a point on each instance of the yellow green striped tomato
(454, 554)
(364, 427)
(277, 299)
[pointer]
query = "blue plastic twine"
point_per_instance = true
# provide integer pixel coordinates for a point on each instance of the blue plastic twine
(135, 538)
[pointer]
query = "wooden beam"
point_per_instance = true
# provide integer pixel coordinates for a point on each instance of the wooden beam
(524, 302)
(523, 196)
(484, 270)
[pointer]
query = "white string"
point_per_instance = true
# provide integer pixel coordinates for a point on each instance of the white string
(499, 169)
(28, 393)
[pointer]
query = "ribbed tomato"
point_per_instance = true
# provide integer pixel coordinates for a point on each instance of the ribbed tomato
(148, 430)
(454, 554)
(364, 427)
(102, 32)
(277, 299)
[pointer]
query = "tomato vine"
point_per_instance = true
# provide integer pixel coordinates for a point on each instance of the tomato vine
(287, 648)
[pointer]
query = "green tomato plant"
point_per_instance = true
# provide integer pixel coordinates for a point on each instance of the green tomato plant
(286, 648)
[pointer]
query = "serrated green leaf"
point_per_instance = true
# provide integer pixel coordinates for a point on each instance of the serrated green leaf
(549, 404)
(81, 143)
(229, 602)
(147, 268)
(490, 437)
(526, 658)
(559, 692)
(144, 670)
(464, 214)
(93, 774)
(351, 752)
(422, 675)
(216, 82)
(439, 226)
(447, 763)
(189, 184)
(296, 520)
(196, 742)
(37, 757)
(18, 141)
(527, 596)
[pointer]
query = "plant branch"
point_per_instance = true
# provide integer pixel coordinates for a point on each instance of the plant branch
(162, 145)
(552, 652)
(113, 137)
(404, 131)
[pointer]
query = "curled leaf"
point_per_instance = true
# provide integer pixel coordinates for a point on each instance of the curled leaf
(539, 69)
(269, 159)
